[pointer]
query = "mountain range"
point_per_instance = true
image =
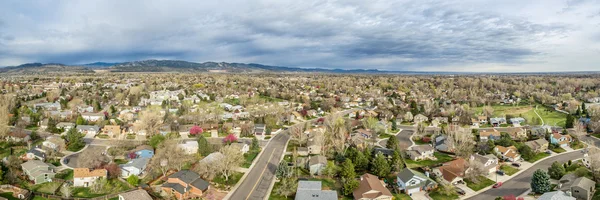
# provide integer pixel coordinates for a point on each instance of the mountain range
(164, 66)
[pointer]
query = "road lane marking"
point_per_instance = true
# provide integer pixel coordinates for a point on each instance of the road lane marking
(261, 174)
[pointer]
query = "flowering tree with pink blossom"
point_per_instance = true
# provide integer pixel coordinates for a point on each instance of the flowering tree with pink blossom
(230, 139)
(195, 130)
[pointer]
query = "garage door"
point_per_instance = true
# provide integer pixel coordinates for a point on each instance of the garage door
(410, 191)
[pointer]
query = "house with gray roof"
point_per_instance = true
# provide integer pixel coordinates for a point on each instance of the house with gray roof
(312, 190)
(185, 184)
(85, 129)
(134, 167)
(411, 181)
(578, 187)
(38, 171)
(316, 164)
(555, 195)
(489, 162)
(421, 152)
(135, 195)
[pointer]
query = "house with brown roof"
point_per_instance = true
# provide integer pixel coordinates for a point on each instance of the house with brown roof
(511, 153)
(371, 188)
(453, 171)
(489, 134)
(84, 177)
(185, 184)
(421, 152)
(517, 133)
(538, 146)
(111, 130)
(560, 140)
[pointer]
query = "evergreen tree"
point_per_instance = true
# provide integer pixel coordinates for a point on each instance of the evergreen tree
(283, 170)
(80, 120)
(362, 162)
(254, 146)
(133, 180)
(97, 106)
(394, 125)
(348, 177)
(583, 109)
(569, 122)
(540, 182)
(74, 140)
(578, 112)
(52, 126)
(392, 143)
(556, 170)
(396, 163)
(380, 167)
(204, 147)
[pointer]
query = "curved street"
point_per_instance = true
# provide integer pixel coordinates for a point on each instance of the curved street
(521, 182)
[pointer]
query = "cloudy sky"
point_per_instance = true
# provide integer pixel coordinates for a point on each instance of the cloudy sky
(462, 35)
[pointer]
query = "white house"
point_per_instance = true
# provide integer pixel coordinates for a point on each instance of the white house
(65, 125)
(83, 177)
(421, 152)
(489, 162)
(134, 167)
(411, 181)
(85, 129)
(189, 147)
(92, 117)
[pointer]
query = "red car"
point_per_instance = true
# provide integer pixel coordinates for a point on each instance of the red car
(497, 185)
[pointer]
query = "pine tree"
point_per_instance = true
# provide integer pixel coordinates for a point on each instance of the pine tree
(380, 167)
(348, 177)
(583, 109)
(394, 125)
(254, 145)
(392, 143)
(569, 122)
(80, 120)
(396, 163)
(204, 148)
(540, 182)
(362, 162)
(556, 170)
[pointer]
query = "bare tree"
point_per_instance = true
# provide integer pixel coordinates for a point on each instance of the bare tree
(297, 133)
(488, 111)
(5, 102)
(461, 141)
(90, 159)
(151, 121)
(232, 159)
(475, 171)
(66, 191)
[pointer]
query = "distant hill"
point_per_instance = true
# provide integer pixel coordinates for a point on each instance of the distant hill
(167, 66)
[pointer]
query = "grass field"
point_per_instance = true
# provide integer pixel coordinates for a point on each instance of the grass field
(484, 182)
(441, 158)
(550, 117)
(538, 157)
(558, 150)
(503, 110)
(509, 170)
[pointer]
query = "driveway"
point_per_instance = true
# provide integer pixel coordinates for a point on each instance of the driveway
(419, 196)
(403, 139)
(468, 191)
(521, 182)
(73, 158)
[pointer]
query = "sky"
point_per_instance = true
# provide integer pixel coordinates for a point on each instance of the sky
(421, 35)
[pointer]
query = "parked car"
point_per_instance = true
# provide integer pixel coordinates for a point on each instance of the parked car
(548, 152)
(516, 164)
(460, 191)
(500, 172)
(497, 185)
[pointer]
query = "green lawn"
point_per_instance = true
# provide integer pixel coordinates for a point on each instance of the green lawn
(558, 150)
(509, 170)
(503, 110)
(551, 117)
(578, 145)
(46, 188)
(233, 179)
(435, 195)
(384, 136)
(8, 195)
(250, 156)
(538, 157)
(275, 196)
(84, 192)
(401, 196)
(66, 174)
(441, 158)
(484, 182)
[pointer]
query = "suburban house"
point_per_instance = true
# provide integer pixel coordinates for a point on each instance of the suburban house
(517, 133)
(497, 121)
(540, 131)
(18, 136)
(556, 195)
(314, 147)
(38, 171)
(312, 190)
(316, 164)
(364, 134)
(92, 117)
(560, 140)
(134, 167)
(260, 130)
(421, 152)
(138, 194)
(411, 181)
(65, 125)
(371, 188)
(419, 118)
(489, 162)
(538, 146)
(189, 147)
(35, 153)
(212, 157)
(578, 187)
(111, 130)
(243, 147)
(510, 153)
(517, 120)
(85, 129)
(453, 171)
(144, 151)
(54, 142)
(489, 134)
(185, 184)
(83, 177)
(482, 119)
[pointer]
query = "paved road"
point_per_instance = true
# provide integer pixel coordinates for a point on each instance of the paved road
(259, 178)
(74, 157)
(521, 183)
(403, 139)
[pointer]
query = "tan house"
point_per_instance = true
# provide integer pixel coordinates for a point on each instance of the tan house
(185, 184)
(84, 177)
(517, 133)
(538, 146)
(511, 153)
(111, 130)
(489, 134)
(371, 188)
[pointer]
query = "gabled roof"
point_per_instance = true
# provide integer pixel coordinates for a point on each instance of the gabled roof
(85, 172)
(453, 169)
(136, 195)
(370, 187)
(556, 195)
(487, 133)
(139, 163)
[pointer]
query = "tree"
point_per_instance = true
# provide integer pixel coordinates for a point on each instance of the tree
(232, 159)
(488, 111)
(5, 103)
(370, 123)
(156, 140)
(526, 152)
(151, 121)
(556, 170)
(287, 187)
(583, 108)
(204, 148)
(392, 143)
(90, 159)
(114, 171)
(80, 120)
(230, 139)
(133, 180)
(66, 191)
(379, 166)
(195, 130)
(461, 140)
(331, 169)
(283, 170)
(570, 121)
(408, 117)
(99, 185)
(396, 163)
(581, 172)
(348, 177)
(74, 140)
(540, 182)
(254, 146)
(52, 126)
(362, 161)
(394, 125)
(476, 171)
(349, 185)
